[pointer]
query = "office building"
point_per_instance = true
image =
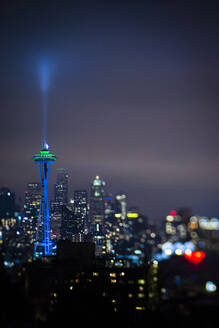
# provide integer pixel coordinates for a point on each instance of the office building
(97, 215)
(61, 187)
(81, 210)
(31, 210)
(70, 225)
(60, 200)
(7, 203)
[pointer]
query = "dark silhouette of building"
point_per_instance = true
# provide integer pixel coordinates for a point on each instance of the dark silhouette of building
(7, 203)
(70, 226)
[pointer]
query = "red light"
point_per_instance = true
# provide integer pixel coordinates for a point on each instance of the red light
(195, 257)
(173, 213)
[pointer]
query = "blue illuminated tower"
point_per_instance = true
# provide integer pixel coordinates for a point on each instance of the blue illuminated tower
(43, 244)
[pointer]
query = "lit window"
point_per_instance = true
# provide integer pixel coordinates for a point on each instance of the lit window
(141, 281)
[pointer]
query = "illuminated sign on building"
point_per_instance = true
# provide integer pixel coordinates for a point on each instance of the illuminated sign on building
(132, 215)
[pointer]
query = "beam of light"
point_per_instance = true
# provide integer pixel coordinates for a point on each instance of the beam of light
(45, 74)
(44, 119)
(44, 80)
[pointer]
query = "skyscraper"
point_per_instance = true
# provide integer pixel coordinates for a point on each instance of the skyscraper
(7, 203)
(97, 214)
(121, 211)
(60, 200)
(111, 226)
(31, 210)
(56, 218)
(69, 225)
(121, 204)
(81, 211)
(7, 208)
(61, 187)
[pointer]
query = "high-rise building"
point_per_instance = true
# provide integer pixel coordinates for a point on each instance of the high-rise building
(121, 205)
(97, 214)
(56, 219)
(7, 203)
(60, 200)
(175, 227)
(111, 226)
(70, 228)
(8, 218)
(121, 212)
(61, 187)
(31, 210)
(81, 210)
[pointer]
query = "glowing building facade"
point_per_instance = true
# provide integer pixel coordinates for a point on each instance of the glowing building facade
(97, 215)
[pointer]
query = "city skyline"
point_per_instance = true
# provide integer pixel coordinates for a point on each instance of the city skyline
(109, 171)
(132, 97)
(20, 197)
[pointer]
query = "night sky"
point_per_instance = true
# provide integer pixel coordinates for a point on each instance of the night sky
(133, 95)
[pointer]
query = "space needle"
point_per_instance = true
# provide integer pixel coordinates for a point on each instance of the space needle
(43, 245)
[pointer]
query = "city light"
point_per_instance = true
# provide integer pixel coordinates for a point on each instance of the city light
(209, 224)
(132, 215)
(210, 287)
(195, 257)
(173, 213)
(170, 218)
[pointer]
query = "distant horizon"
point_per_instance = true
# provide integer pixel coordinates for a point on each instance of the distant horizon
(156, 218)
